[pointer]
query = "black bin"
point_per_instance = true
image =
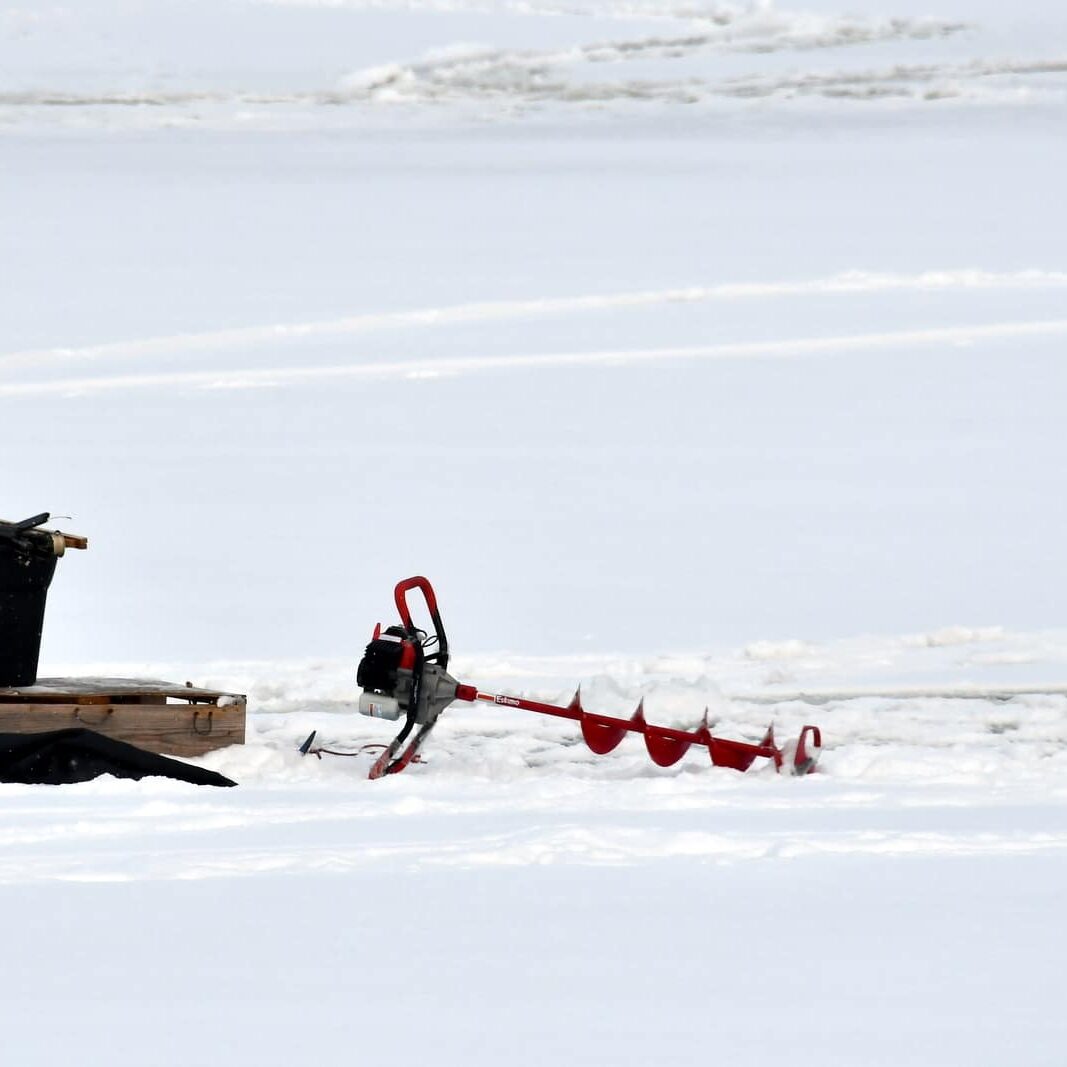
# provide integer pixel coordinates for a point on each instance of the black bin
(27, 563)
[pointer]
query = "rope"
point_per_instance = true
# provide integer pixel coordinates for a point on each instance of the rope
(375, 747)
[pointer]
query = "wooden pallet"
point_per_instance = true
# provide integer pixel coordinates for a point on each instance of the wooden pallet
(177, 720)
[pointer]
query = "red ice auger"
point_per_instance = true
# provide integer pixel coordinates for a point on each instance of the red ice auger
(404, 672)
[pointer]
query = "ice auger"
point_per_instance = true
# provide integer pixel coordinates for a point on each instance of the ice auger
(404, 672)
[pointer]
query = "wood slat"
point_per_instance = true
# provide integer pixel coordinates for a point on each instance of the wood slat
(73, 690)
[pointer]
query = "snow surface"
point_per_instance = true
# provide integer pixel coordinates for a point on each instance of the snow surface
(693, 350)
(516, 897)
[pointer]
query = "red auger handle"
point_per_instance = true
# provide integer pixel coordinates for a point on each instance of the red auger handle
(401, 593)
(423, 585)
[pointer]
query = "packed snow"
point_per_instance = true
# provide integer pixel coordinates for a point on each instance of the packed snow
(706, 354)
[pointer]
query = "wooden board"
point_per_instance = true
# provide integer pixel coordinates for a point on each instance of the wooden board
(72, 689)
(176, 720)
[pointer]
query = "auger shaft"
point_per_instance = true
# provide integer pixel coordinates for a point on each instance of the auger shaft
(665, 745)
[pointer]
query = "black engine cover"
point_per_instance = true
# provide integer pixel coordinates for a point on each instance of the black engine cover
(377, 670)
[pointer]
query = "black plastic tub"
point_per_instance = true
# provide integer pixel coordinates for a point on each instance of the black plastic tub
(27, 563)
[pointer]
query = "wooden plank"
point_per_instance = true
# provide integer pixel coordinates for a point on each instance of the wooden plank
(111, 687)
(70, 690)
(170, 729)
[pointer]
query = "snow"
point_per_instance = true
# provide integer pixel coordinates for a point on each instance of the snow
(516, 896)
(710, 354)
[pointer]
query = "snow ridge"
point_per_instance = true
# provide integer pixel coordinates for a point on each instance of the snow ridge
(470, 72)
(492, 81)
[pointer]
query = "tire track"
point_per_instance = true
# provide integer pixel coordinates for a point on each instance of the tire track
(425, 369)
(850, 283)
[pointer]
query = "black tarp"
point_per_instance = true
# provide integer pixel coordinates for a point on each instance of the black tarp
(63, 756)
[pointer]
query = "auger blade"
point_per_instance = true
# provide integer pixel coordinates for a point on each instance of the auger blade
(703, 734)
(733, 754)
(601, 735)
(665, 751)
(665, 748)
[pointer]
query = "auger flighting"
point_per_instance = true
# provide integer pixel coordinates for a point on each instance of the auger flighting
(404, 672)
